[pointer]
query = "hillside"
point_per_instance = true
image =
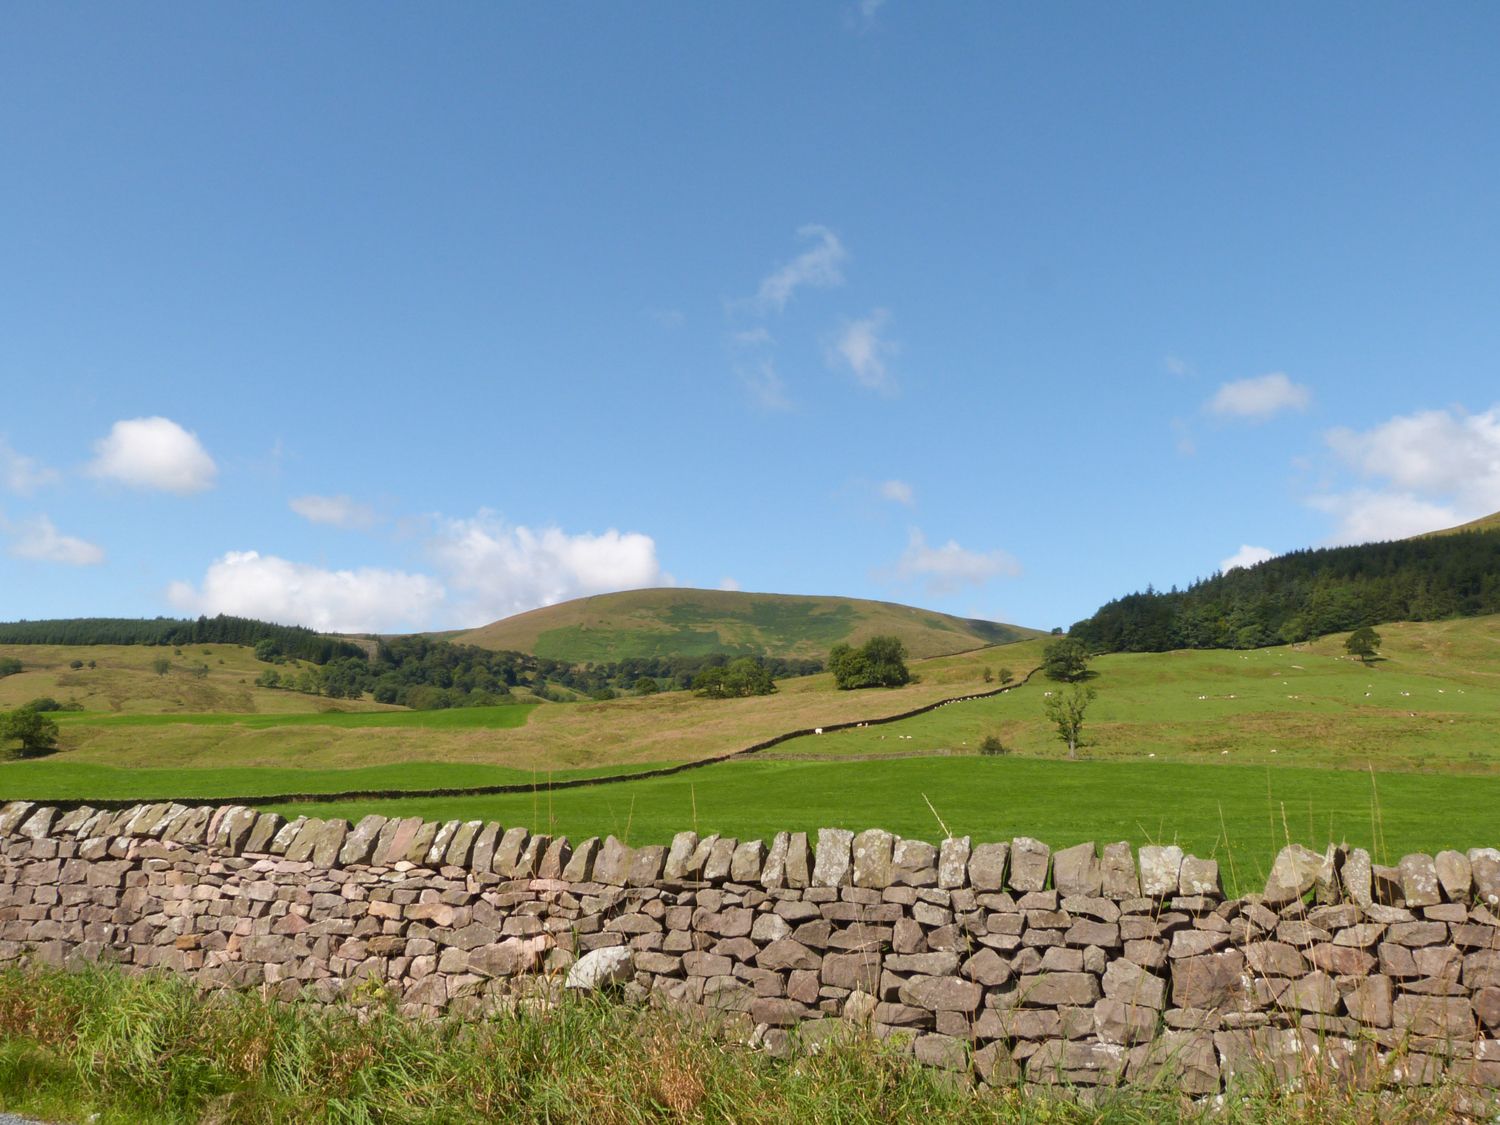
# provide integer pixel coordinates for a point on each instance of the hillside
(1308, 594)
(1483, 523)
(677, 622)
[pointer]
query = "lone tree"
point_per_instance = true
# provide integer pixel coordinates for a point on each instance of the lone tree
(1066, 709)
(1363, 643)
(879, 662)
(36, 733)
(1066, 660)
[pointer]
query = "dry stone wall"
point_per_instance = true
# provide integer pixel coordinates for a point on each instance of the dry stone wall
(1083, 966)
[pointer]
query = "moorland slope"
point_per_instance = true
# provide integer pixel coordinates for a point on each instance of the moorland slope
(683, 622)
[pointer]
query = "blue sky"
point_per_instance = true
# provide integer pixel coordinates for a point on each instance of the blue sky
(395, 317)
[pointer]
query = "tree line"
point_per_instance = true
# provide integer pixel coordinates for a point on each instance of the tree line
(1307, 594)
(291, 641)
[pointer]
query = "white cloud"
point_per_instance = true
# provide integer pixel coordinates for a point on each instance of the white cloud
(727, 583)
(1246, 557)
(335, 511)
(500, 569)
(21, 474)
(153, 453)
(859, 347)
(37, 539)
(1425, 471)
(946, 569)
(1178, 366)
(1260, 398)
(819, 266)
(898, 492)
(765, 385)
(367, 599)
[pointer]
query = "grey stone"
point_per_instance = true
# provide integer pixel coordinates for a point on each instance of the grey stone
(834, 857)
(953, 863)
(600, 968)
(987, 866)
(1484, 865)
(1357, 877)
(300, 848)
(720, 856)
(1293, 873)
(873, 852)
(746, 862)
(1454, 875)
(462, 845)
(645, 865)
(359, 844)
(773, 871)
(482, 858)
(1419, 880)
(13, 814)
(330, 840)
(1161, 869)
(580, 865)
(1199, 876)
(285, 836)
(1029, 863)
(437, 851)
(421, 842)
(1117, 867)
(555, 859)
(613, 862)
(798, 861)
(679, 864)
(915, 864)
(508, 851)
(1076, 871)
(264, 831)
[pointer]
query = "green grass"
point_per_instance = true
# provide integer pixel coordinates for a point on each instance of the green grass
(61, 780)
(1240, 815)
(504, 717)
(684, 622)
(102, 1045)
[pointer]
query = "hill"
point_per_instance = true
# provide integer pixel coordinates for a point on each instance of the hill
(1308, 594)
(679, 622)
(1483, 523)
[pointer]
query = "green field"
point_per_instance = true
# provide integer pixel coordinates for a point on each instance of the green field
(458, 718)
(1215, 811)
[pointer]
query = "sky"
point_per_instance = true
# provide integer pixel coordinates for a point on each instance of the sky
(404, 317)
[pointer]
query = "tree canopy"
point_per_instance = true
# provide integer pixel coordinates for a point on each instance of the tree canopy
(1066, 709)
(1308, 594)
(1364, 643)
(36, 732)
(1066, 660)
(879, 662)
(742, 677)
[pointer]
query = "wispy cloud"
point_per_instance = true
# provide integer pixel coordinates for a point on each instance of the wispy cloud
(949, 568)
(764, 384)
(819, 266)
(20, 474)
(1259, 398)
(860, 347)
(153, 453)
(334, 511)
(1246, 557)
(1418, 472)
(898, 492)
(728, 583)
(39, 540)
(1176, 365)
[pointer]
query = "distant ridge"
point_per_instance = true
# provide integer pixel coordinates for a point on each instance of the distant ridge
(686, 622)
(1483, 523)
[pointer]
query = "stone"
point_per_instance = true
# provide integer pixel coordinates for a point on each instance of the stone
(359, 844)
(1115, 1021)
(1118, 871)
(1369, 1001)
(746, 862)
(580, 865)
(462, 845)
(482, 858)
(1030, 861)
(1419, 880)
(854, 971)
(1199, 877)
(1441, 1017)
(1161, 869)
(987, 866)
(834, 857)
(1128, 982)
(612, 965)
(873, 854)
(1357, 877)
(265, 829)
(555, 859)
(787, 954)
(1293, 874)
(1054, 989)
(1213, 980)
(612, 865)
(508, 852)
(953, 862)
(645, 866)
(915, 863)
(395, 840)
(329, 842)
(798, 861)
(773, 871)
(1076, 871)
(679, 863)
(300, 849)
(1484, 867)
(720, 856)
(941, 994)
(421, 842)
(12, 815)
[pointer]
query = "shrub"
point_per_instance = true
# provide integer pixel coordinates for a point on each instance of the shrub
(991, 746)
